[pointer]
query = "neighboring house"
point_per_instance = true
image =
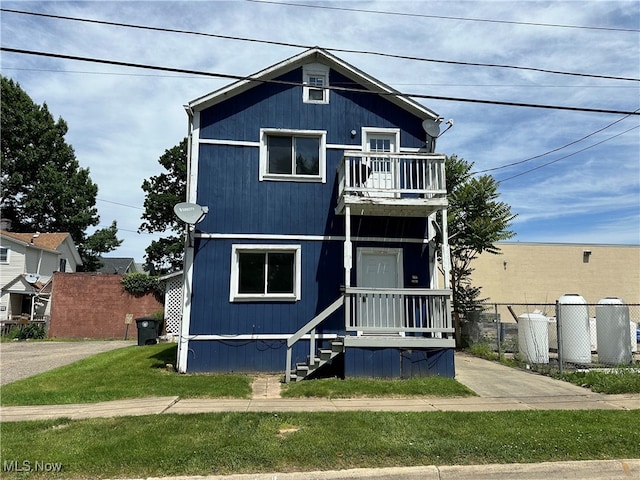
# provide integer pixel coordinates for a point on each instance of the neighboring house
(319, 246)
(28, 262)
(119, 265)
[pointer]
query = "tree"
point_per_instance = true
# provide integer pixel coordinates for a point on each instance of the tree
(44, 188)
(162, 192)
(476, 221)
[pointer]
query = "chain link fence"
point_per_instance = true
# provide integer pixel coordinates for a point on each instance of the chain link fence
(567, 335)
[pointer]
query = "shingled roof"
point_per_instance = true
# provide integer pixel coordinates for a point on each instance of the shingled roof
(49, 241)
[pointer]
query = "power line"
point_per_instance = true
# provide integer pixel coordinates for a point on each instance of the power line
(121, 204)
(342, 89)
(449, 85)
(341, 50)
(567, 156)
(555, 149)
(446, 17)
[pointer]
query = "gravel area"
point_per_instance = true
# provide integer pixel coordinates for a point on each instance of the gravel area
(20, 360)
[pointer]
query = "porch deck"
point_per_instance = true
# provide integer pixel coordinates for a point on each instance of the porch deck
(407, 318)
(391, 184)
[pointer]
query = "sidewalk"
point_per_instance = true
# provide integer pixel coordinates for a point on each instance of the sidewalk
(499, 388)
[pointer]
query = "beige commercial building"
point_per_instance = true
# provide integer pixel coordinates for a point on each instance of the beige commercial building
(540, 273)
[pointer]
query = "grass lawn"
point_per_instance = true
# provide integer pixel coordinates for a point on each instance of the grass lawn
(615, 380)
(130, 372)
(359, 387)
(223, 443)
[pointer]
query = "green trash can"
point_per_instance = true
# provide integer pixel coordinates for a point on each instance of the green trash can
(147, 330)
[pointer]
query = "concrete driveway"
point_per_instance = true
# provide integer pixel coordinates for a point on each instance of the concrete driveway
(20, 360)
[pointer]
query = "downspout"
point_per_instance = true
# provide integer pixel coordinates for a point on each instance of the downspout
(348, 264)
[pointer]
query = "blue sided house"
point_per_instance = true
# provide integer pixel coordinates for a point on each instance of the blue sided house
(317, 255)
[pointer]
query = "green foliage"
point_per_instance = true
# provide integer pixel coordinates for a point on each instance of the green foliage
(130, 372)
(614, 380)
(363, 387)
(482, 350)
(162, 192)
(36, 331)
(253, 442)
(140, 283)
(42, 185)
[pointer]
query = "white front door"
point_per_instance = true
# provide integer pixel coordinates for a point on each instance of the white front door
(380, 268)
(382, 171)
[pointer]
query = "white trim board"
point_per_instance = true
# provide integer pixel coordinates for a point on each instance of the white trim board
(311, 238)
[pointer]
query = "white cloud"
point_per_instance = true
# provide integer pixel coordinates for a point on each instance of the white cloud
(121, 119)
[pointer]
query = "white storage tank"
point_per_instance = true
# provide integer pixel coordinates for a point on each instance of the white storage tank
(533, 337)
(574, 329)
(612, 325)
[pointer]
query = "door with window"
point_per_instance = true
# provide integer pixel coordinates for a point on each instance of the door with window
(380, 268)
(382, 170)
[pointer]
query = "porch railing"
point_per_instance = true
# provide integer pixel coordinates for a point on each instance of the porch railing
(310, 329)
(400, 311)
(400, 175)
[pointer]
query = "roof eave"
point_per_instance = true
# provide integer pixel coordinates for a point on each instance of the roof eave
(296, 61)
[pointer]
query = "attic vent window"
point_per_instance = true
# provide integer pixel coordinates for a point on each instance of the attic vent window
(316, 81)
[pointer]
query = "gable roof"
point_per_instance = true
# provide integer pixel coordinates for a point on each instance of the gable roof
(119, 265)
(313, 55)
(44, 241)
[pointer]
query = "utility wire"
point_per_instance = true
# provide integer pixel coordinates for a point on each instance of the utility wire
(341, 50)
(554, 150)
(445, 17)
(449, 85)
(342, 89)
(566, 156)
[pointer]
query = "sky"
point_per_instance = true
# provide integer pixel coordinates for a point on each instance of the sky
(571, 176)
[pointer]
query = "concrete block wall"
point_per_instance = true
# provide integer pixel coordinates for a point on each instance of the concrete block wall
(94, 305)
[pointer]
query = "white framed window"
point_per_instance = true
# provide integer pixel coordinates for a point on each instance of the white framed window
(4, 255)
(316, 80)
(293, 155)
(265, 273)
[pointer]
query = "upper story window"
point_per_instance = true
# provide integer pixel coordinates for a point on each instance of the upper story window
(265, 272)
(293, 155)
(63, 265)
(4, 255)
(316, 80)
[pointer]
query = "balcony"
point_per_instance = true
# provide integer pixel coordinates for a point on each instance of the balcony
(391, 184)
(401, 317)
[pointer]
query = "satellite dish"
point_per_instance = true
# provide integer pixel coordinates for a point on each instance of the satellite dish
(432, 126)
(190, 213)
(31, 278)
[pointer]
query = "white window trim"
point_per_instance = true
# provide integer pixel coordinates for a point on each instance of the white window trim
(234, 296)
(8, 260)
(322, 167)
(315, 70)
(368, 132)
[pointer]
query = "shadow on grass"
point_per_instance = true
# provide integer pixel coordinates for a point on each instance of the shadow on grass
(165, 356)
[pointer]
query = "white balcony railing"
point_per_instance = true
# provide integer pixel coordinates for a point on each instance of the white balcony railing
(399, 311)
(392, 175)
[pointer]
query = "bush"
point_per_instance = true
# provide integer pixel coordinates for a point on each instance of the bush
(141, 283)
(36, 331)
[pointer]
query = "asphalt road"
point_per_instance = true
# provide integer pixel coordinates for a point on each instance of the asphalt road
(20, 360)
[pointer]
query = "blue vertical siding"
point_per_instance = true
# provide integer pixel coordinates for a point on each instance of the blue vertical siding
(228, 184)
(399, 363)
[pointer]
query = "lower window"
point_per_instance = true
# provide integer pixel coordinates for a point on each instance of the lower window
(265, 272)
